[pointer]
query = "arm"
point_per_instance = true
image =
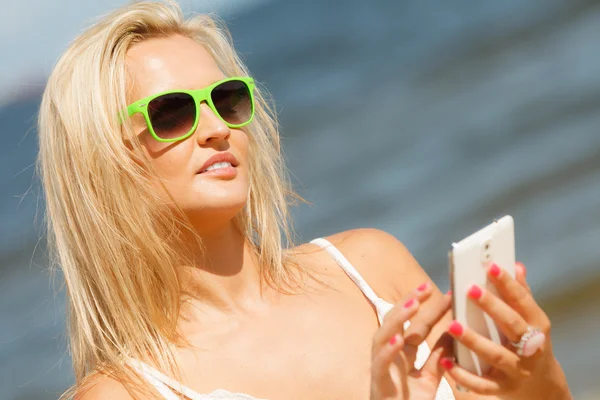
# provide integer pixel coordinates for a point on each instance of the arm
(388, 267)
(393, 272)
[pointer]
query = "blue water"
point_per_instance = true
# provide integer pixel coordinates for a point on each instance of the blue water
(426, 119)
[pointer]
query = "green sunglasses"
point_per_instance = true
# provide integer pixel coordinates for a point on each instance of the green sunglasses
(173, 115)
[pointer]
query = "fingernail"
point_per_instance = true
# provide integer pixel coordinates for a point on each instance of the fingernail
(409, 303)
(446, 363)
(495, 270)
(449, 293)
(522, 266)
(475, 292)
(394, 339)
(455, 328)
(423, 287)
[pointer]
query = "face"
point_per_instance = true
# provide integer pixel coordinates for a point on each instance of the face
(210, 197)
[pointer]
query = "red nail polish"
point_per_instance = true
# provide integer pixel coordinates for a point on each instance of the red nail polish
(393, 340)
(409, 303)
(475, 292)
(495, 270)
(455, 328)
(423, 287)
(446, 363)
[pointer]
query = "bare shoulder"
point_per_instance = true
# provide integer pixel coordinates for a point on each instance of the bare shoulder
(384, 261)
(104, 387)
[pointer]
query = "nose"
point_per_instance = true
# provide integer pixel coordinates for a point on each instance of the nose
(211, 128)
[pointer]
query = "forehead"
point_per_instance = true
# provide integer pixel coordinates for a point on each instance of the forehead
(173, 62)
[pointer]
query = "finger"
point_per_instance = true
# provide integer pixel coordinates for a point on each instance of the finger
(393, 323)
(394, 320)
(492, 353)
(422, 324)
(384, 357)
(515, 295)
(442, 348)
(521, 275)
(425, 320)
(387, 346)
(470, 381)
(510, 323)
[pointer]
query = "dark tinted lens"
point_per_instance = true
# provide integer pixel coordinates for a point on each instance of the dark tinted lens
(232, 101)
(172, 115)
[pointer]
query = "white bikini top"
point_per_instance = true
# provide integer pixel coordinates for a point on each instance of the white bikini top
(166, 386)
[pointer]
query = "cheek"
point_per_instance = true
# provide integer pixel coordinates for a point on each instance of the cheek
(243, 152)
(170, 160)
(241, 142)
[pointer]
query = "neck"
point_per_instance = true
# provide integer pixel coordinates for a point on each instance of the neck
(226, 275)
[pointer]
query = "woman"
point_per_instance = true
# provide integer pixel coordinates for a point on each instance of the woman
(167, 199)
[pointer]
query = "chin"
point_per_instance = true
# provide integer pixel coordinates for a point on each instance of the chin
(222, 205)
(212, 200)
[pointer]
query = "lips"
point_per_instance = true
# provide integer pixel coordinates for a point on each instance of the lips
(218, 158)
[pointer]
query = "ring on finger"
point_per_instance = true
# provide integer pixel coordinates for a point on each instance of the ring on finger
(530, 342)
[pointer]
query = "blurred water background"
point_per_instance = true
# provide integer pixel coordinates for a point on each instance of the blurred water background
(423, 118)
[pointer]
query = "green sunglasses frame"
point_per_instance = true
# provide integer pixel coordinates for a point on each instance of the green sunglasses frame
(199, 96)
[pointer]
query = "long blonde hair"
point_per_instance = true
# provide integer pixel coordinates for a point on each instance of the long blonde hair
(107, 226)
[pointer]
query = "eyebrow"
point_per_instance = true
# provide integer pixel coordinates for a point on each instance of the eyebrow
(196, 88)
(185, 87)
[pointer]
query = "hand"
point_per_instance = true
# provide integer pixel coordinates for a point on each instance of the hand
(538, 376)
(393, 375)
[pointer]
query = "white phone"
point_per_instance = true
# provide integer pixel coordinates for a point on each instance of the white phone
(469, 261)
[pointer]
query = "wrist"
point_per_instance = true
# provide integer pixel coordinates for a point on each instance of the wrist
(556, 384)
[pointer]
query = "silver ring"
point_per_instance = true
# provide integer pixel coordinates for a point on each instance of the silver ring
(523, 349)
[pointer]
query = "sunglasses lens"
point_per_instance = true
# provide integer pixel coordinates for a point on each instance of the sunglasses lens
(233, 102)
(172, 115)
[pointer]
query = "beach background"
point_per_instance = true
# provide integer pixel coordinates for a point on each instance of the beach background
(426, 119)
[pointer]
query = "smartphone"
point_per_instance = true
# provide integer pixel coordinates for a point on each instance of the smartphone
(469, 261)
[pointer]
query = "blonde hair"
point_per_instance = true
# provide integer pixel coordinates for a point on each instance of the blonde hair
(106, 226)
